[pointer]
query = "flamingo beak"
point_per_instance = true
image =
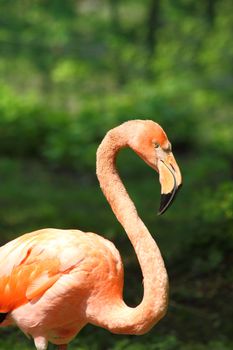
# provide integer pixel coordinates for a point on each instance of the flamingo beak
(170, 180)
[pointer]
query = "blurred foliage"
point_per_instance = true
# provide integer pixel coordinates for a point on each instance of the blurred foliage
(71, 70)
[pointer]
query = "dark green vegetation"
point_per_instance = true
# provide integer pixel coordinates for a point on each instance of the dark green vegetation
(70, 70)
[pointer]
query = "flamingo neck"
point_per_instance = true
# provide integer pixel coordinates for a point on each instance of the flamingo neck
(123, 319)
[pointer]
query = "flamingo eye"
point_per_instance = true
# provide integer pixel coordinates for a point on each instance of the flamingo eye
(156, 145)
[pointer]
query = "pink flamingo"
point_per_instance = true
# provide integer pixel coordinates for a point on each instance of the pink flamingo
(53, 282)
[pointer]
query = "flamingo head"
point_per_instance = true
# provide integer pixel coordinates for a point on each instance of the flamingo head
(150, 142)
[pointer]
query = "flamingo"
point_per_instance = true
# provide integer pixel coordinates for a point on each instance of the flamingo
(53, 282)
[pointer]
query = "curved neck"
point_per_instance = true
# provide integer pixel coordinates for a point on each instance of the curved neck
(123, 319)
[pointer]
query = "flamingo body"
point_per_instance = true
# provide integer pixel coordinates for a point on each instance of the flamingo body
(49, 276)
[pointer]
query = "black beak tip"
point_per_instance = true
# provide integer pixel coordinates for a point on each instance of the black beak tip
(165, 201)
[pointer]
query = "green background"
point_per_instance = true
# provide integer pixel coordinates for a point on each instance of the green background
(71, 70)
